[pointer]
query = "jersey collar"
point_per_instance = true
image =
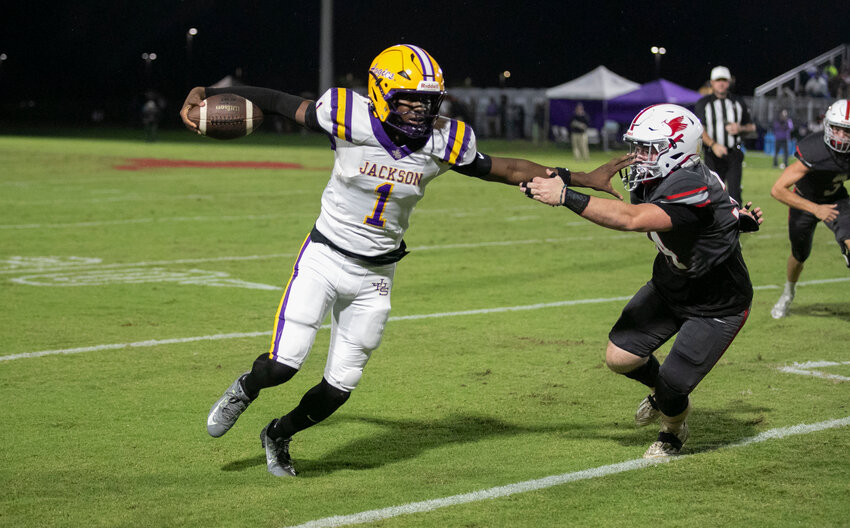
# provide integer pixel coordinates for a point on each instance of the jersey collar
(397, 152)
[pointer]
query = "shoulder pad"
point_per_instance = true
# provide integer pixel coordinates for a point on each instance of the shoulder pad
(811, 150)
(339, 110)
(686, 187)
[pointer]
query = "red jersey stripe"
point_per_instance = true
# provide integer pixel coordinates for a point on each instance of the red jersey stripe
(686, 193)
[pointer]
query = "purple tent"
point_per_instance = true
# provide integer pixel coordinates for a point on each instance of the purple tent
(624, 107)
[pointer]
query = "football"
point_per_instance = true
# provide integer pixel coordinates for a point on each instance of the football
(226, 116)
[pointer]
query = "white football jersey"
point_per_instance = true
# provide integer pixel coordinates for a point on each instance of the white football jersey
(375, 184)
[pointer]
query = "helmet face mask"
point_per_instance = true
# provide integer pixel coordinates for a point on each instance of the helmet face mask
(645, 167)
(663, 138)
(406, 88)
(413, 113)
(836, 126)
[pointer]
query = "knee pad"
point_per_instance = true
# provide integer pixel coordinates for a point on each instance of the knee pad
(671, 401)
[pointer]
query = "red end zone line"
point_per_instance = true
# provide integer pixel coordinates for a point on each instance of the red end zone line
(155, 163)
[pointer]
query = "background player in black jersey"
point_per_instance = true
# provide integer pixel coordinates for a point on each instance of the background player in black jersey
(700, 288)
(822, 166)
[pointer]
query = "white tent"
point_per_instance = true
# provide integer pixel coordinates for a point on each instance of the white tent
(594, 89)
(598, 84)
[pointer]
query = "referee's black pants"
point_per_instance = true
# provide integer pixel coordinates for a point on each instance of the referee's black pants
(730, 169)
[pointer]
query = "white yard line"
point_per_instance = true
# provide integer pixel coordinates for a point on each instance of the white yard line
(99, 223)
(158, 342)
(805, 369)
(554, 480)
(464, 245)
(470, 245)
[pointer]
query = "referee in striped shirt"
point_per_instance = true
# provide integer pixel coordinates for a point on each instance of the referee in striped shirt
(724, 118)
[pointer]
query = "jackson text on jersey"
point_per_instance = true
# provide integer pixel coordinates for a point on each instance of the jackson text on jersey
(393, 174)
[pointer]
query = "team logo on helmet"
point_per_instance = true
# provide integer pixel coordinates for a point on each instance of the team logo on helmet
(663, 138)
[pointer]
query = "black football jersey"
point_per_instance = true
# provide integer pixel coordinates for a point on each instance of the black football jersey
(699, 269)
(829, 170)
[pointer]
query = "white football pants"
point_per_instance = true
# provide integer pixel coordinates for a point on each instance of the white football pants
(359, 294)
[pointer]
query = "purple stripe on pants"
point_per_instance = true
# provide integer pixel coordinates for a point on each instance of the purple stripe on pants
(282, 313)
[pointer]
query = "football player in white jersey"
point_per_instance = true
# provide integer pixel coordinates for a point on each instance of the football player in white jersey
(387, 148)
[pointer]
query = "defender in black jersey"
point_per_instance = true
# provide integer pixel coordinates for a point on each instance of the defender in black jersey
(700, 289)
(818, 176)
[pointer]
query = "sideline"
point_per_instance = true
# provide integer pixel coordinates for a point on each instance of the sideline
(554, 480)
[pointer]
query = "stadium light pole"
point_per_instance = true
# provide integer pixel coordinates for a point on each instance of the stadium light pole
(190, 37)
(326, 68)
(657, 52)
(503, 78)
(148, 58)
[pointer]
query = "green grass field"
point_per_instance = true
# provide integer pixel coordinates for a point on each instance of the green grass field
(130, 299)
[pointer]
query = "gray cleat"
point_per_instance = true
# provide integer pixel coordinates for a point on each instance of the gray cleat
(227, 409)
(277, 453)
(668, 443)
(647, 412)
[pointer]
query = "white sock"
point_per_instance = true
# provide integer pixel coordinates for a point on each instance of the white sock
(790, 289)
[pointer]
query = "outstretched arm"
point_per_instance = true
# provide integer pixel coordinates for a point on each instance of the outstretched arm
(608, 213)
(514, 171)
(298, 109)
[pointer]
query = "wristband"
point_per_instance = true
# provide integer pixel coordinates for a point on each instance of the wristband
(565, 175)
(574, 201)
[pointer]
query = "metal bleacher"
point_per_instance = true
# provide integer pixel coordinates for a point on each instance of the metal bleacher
(787, 90)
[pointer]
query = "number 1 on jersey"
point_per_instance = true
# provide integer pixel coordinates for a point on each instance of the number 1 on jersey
(376, 219)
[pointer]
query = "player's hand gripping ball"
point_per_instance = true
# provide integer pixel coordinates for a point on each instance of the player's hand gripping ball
(226, 116)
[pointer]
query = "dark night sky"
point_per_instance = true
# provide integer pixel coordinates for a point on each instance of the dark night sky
(87, 52)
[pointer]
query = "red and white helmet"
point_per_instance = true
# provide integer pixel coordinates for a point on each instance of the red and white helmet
(664, 138)
(837, 117)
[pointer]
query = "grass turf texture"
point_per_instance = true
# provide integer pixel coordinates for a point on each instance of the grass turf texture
(448, 405)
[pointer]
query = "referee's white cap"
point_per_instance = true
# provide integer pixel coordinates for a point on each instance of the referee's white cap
(720, 72)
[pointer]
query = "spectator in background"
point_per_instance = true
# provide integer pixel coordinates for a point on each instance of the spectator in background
(782, 128)
(578, 133)
(493, 118)
(150, 119)
(725, 118)
(817, 85)
(539, 128)
(842, 90)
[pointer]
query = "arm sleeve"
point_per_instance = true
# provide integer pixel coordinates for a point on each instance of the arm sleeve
(480, 166)
(272, 102)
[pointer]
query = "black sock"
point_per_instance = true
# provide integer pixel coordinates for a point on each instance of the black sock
(317, 404)
(646, 373)
(266, 372)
